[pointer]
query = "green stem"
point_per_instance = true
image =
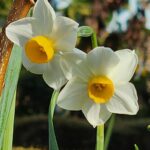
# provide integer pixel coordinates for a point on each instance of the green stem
(100, 138)
(109, 131)
(8, 135)
(100, 129)
(94, 40)
(52, 138)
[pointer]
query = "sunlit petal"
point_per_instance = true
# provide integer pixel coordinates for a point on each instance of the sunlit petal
(102, 60)
(45, 16)
(20, 31)
(126, 67)
(64, 33)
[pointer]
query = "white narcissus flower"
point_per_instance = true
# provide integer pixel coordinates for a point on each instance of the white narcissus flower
(43, 37)
(99, 85)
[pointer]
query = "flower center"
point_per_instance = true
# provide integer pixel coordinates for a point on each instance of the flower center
(100, 89)
(39, 49)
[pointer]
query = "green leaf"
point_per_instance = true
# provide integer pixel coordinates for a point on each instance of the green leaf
(136, 147)
(109, 131)
(8, 135)
(11, 80)
(85, 31)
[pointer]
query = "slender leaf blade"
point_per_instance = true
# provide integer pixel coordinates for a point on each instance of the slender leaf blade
(11, 80)
(136, 147)
(8, 135)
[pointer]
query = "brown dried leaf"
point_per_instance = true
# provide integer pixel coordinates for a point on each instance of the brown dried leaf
(19, 9)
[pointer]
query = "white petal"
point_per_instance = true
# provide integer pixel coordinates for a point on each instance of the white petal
(91, 111)
(64, 33)
(74, 94)
(96, 114)
(69, 60)
(124, 100)
(33, 67)
(45, 16)
(126, 67)
(102, 60)
(20, 31)
(53, 75)
(104, 115)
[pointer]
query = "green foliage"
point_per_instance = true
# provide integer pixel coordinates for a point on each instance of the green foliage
(4, 7)
(6, 100)
(8, 135)
(78, 9)
(136, 147)
(109, 131)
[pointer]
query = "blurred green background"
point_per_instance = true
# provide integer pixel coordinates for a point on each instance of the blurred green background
(119, 24)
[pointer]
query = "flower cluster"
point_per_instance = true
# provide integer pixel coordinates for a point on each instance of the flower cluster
(97, 82)
(99, 85)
